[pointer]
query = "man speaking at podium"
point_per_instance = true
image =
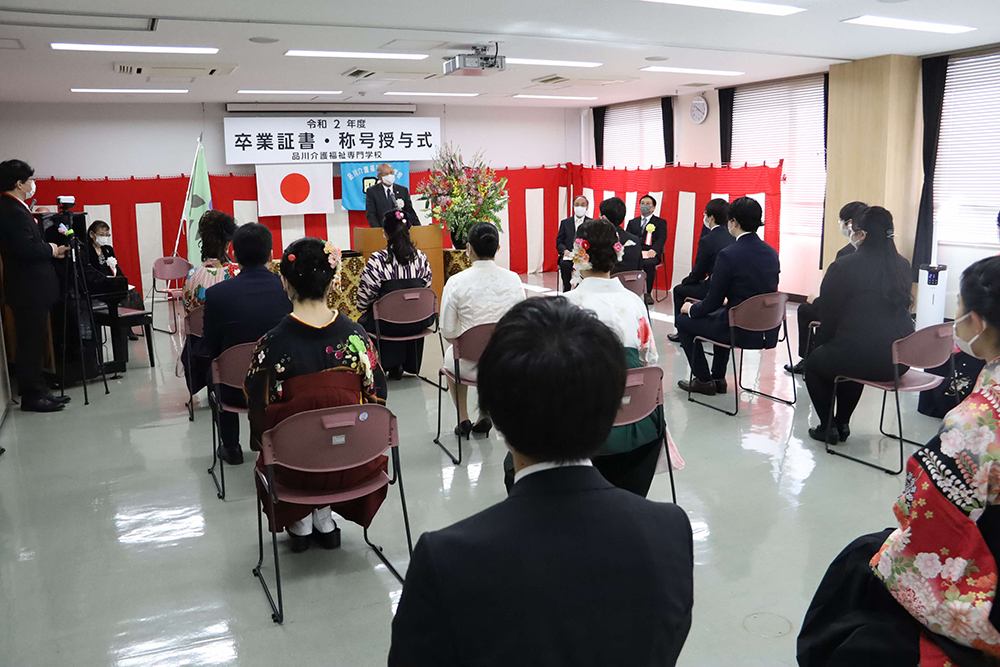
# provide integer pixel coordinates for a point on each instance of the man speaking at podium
(386, 196)
(29, 283)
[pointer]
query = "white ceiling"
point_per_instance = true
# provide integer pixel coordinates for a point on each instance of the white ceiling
(622, 34)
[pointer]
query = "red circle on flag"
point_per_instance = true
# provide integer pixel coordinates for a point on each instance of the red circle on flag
(295, 188)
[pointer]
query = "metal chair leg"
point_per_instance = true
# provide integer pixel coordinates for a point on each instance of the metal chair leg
(897, 436)
(378, 552)
(402, 498)
(776, 399)
(277, 611)
(437, 438)
(220, 481)
(736, 389)
(887, 471)
(173, 310)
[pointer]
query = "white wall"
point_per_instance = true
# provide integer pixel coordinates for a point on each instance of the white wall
(957, 258)
(697, 143)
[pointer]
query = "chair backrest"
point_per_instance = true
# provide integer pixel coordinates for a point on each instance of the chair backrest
(471, 343)
(231, 367)
(171, 268)
(759, 313)
(927, 348)
(194, 322)
(406, 306)
(643, 393)
(634, 281)
(330, 439)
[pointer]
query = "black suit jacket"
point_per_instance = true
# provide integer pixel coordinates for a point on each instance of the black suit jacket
(632, 257)
(845, 251)
(709, 244)
(635, 228)
(566, 235)
(244, 308)
(568, 570)
(377, 204)
(29, 277)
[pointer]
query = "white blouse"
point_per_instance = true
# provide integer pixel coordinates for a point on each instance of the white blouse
(481, 294)
(620, 309)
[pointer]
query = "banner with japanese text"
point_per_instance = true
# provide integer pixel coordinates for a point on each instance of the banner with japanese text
(283, 140)
(359, 176)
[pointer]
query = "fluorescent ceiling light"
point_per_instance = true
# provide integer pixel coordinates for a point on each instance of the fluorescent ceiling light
(904, 24)
(553, 97)
(355, 54)
(400, 94)
(290, 92)
(689, 70)
(551, 63)
(128, 91)
(738, 6)
(121, 48)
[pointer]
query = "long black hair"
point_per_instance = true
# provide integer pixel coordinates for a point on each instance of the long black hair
(893, 271)
(396, 225)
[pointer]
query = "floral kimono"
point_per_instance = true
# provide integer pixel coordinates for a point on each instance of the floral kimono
(200, 278)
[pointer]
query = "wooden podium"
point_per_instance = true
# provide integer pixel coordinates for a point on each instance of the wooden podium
(427, 238)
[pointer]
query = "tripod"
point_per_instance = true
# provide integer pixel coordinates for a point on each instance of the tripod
(79, 279)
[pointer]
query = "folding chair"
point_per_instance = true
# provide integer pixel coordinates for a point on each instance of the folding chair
(468, 346)
(323, 441)
(194, 327)
(927, 348)
(666, 285)
(763, 312)
(406, 306)
(643, 396)
(635, 282)
(170, 269)
(228, 369)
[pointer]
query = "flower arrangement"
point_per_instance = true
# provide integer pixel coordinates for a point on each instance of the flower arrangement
(461, 194)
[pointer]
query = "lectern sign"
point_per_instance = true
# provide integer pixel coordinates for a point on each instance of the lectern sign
(330, 139)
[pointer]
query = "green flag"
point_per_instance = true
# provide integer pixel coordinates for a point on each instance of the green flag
(199, 200)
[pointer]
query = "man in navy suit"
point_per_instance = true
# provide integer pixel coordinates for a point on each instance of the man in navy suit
(745, 269)
(242, 310)
(566, 237)
(652, 231)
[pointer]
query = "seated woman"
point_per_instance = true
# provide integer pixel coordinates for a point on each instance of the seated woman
(399, 266)
(314, 359)
(628, 458)
(925, 592)
(215, 229)
(103, 274)
(865, 304)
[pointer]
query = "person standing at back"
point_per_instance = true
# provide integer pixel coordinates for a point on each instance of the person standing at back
(568, 570)
(242, 310)
(385, 196)
(652, 231)
(29, 283)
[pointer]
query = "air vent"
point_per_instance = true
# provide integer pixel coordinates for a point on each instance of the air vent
(556, 80)
(550, 80)
(358, 73)
(695, 85)
(173, 71)
(406, 76)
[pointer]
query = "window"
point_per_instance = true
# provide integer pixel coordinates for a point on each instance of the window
(966, 191)
(633, 135)
(785, 120)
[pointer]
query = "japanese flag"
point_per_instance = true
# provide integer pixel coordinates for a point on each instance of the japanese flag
(294, 189)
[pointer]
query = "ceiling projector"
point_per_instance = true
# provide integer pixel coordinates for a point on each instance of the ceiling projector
(477, 63)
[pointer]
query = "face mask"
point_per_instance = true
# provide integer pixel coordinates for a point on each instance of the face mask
(104, 240)
(856, 242)
(965, 345)
(580, 211)
(845, 230)
(30, 193)
(389, 179)
(646, 210)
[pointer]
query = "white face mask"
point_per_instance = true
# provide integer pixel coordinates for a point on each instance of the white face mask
(389, 179)
(580, 211)
(845, 230)
(965, 345)
(31, 192)
(856, 242)
(104, 240)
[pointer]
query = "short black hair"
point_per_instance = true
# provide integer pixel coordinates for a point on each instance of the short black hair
(484, 239)
(552, 379)
(602, 236)
(980, 290)
(306, 267)
(718, 210)
(614, 210)
(252, 244)
(649, 197)
(852, 211)
(13, 171)
(98, 226)
(747, 213)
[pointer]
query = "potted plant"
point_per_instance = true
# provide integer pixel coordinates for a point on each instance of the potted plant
(460, 194)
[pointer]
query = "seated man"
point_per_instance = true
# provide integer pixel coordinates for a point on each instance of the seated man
(560, 590)
(745, 269)
(714, 237)
(241, 310)
(566, 236)
(614, 210)
(481, 294)
(652, 231)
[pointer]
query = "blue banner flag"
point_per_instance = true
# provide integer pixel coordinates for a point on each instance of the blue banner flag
(357, 177)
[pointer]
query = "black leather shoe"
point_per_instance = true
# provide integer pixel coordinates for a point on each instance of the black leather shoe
(483, 426)
(824, 434)
(674, 337)
(132, 335)
(648, 299)
(395, 373)
(720, 386)
(844, 431)
(2, 450)
(696, 386)
(232, 456)
(464, 429)
(797, 369)
(329, 540)
(62, 400)
(298, 543)
(43, 404)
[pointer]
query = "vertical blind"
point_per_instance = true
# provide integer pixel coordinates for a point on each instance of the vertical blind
(967, 177)
(633, 135)
(785, 120)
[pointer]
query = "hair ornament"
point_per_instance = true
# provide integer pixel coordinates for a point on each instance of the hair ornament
(291, 257)
(333, 256)
(399, 215)
(581, 260)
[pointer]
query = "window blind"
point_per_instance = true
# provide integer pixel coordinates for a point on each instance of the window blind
(966, 192)
(785, 120)
(633, 135)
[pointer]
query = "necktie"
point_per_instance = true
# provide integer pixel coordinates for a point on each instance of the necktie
(392, 200)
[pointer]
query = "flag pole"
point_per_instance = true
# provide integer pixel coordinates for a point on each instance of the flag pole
(187, 196)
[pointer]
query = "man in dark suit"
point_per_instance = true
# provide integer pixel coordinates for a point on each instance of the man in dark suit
(745, 269)
(242, 310)
(29, 283)
(808, 311)
(714, 237)
(386, 195)
(560, 589)
(651, 230)
(566, 237)
(614, 210)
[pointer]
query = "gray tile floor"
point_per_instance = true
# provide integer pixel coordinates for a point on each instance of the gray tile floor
(114, 549)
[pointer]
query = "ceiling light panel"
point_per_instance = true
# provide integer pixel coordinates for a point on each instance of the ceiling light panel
(402, 94)
(690, 70)
(355, 54)
(745, 6)
(129, 91)
(289, 92)
(52, 19)
(551, 63)
(553, 97)
(122, 48)
(904, 24)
